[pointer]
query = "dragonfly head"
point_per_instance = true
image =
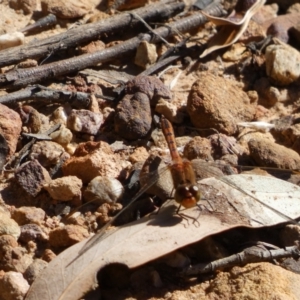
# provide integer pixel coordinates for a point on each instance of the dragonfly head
(187, 195)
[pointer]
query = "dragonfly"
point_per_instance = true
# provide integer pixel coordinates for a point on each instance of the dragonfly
(186, 191)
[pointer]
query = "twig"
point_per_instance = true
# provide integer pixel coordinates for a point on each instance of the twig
(39, 92)
(23, 77)
(149, 28)
(86, 33)
(249, 255)
(15, 160)
(160, 64)
(40, 24)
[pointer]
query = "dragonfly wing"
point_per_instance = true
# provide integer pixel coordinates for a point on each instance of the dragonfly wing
(276, 201)
(148, 181)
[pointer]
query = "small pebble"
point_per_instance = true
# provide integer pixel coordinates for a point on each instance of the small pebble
(48, 153)
(32, 232)
(218, 103)
(13, 286)
(103, 190)
(282, 64)
(63, 136)
(9, 226)
(34, 270)
(28, 214)
(92, 159)
(31, 176)
(65, 188)
(67, 236)
(84, 121)
(133, 116)
(145, 55)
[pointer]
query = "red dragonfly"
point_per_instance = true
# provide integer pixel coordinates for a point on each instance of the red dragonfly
(186, 191)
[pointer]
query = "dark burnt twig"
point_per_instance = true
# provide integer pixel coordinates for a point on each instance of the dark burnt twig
(41, 24)
(249, 255)
(42, 93)
(23, 77)
(86, 33)
(135, 15)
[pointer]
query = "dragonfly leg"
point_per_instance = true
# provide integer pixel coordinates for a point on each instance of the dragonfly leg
(203, 206)
(187, 217)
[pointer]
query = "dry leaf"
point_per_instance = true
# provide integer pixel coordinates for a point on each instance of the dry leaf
(233, 28)
(69, 276)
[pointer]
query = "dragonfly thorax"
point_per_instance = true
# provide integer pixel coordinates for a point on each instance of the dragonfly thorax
(187, 195)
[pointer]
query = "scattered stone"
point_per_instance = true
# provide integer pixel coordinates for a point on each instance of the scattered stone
(92, 47)
(10, 127)
(218, 103)
(103, 190)
(68, 9)
(28, 63)
(9, 226)
(7, 241)
(12, 257)
(32, 232)
(198, 147)
(67, 236)
(31, 176)
(235, 53)
(13, 286)
(28, 6)
(13, 39)
(295, 8)
(285, 4)
(140, 154)
(48, 255)
(30, 118)
(63, 136)
(145, 55)
(84, 121)
(28, 215)
(133, 116)
(149, 85)
(280, 26)
(203, 169)
(269, 154)
(60, 115)
(66, 188)
(170, 111)
(268, 94)
(48, 153)
(34, 270)
(92, 159)
(282, 64)
(164, 186)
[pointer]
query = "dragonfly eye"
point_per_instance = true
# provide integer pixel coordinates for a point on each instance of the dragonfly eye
(182, 190)
(195, 191)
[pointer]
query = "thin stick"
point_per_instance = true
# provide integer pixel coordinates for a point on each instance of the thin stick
(87, 33)
(249, 255)
(20, 78)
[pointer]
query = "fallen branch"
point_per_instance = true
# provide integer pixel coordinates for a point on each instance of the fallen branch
(250, 255)
(23, 77)
(39, 92)
(86, 33)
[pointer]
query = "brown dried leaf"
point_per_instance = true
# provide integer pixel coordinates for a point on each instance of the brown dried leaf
(69, 276)
(233, 28)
